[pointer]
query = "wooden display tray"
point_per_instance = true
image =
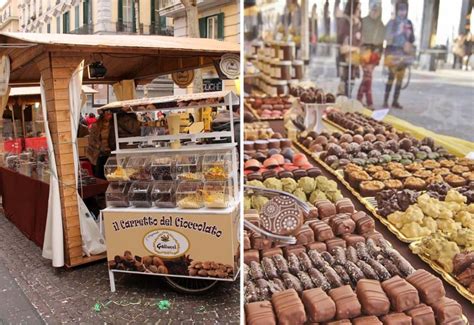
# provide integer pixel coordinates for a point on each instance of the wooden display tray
(258, 117)
(413, 242)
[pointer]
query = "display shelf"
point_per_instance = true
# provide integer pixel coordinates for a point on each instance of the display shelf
(188, 148)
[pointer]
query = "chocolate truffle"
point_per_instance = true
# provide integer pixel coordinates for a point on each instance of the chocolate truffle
(304, 235)
(281, 215)
(422, 315)
(259, 242)
(352, 239)
(364, 223)
(396, 319)
(319, 306)
(366, 320)
(269, 252)
(313, 172)
(322, 231)
(347, 304)
(295, 249)
(251, 255)
(335, 242)
(342, 224)
(326, 208)
(430, 288)
(345, 205)
(373, 299)
(288, 308)
(446, 310)
(318, 246)
(260, 312)
(402, 295)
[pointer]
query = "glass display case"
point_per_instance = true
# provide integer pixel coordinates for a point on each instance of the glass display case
(216, 194)
(163, 194)
(189, 195)
(138, 169)
(139, 194)
(188, 168)
(217, 166)
(114, 169)
(12, 162)
(117, 194)
(161, 168)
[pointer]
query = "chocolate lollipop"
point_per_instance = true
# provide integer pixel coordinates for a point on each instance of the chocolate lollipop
(281, 216)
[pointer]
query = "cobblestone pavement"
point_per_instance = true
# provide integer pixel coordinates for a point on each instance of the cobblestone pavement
(68, 296)
(441, 101)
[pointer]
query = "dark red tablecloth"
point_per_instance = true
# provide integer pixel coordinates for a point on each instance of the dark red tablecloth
(25, 202)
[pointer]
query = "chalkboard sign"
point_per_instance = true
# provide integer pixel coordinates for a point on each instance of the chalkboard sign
(212, 84)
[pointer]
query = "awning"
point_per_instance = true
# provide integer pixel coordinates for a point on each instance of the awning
(139, 57)
(30, 91)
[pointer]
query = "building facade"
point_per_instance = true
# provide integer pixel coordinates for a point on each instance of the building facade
(218, 19)
(92, 17)
(9, 16)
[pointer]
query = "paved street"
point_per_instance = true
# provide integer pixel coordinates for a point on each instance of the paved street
(442, 101)
(32, 292)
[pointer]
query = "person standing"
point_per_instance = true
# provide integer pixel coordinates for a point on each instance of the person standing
(313, 29)
(399, 53)
(349, 35)
(467, 52)
(91, 119)
(373, 32)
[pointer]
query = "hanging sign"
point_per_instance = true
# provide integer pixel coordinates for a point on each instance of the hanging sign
(183, 78)
(212, 84)
(229, 66)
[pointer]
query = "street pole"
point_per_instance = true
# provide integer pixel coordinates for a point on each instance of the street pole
(305, 33)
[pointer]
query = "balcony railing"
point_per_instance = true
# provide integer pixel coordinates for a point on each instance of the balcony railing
(127, 27)
(161, 30)
(84, 29)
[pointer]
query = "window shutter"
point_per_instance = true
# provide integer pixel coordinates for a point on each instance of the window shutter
(134, 17)
(120, 11)
(85, 12)
(220, 26)
(203, 27)
(152, 6)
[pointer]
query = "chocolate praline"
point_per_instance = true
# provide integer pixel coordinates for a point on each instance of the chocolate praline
(255, 176)
(299, 173)
(269, 174)
(285, 174)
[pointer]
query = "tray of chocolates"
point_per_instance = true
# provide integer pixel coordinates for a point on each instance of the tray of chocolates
(268, 108)
(453, 262)
(340, 270)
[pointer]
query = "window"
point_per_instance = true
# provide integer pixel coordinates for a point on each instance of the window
(58, 24)
(76, 17)
(127, 11)
(212, 27)
(48, 28)
(66, 22)
(85, 12)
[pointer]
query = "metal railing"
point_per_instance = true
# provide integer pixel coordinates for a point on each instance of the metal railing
(156, 29)
(84, 29)
(127, 27)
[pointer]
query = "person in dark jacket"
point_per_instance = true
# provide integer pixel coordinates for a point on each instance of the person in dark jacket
(102, 137)
(399, 52)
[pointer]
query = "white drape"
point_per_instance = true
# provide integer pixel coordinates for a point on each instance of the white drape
(53, 246)
(92, 240)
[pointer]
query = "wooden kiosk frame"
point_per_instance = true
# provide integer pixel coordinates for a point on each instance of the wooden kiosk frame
(55, 57)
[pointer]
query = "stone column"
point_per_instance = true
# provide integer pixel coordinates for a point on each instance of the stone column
(103, 23)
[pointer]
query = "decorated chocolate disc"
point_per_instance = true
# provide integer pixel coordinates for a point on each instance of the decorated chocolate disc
(281, 215)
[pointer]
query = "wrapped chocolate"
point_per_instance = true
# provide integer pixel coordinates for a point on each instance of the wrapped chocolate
(288, 308)
(403, 296)
(373, 299)
(258, 313)
(430, 288)
(319, 306)
(347, 304)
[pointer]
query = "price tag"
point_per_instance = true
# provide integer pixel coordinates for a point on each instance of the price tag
(380, 114)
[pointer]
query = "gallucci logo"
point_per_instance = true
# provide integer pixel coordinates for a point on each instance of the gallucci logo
(166, 243)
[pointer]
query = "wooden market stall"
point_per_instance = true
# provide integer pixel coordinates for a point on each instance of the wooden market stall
(54, 58)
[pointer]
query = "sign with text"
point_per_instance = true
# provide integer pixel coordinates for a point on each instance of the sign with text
(211, 84)
(185, 244)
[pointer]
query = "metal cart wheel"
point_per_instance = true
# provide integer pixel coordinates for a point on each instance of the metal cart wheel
(190, 286)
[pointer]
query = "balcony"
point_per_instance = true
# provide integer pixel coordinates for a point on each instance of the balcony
(128, 28)
(174, 8)
(156, 29)
(83, 30)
